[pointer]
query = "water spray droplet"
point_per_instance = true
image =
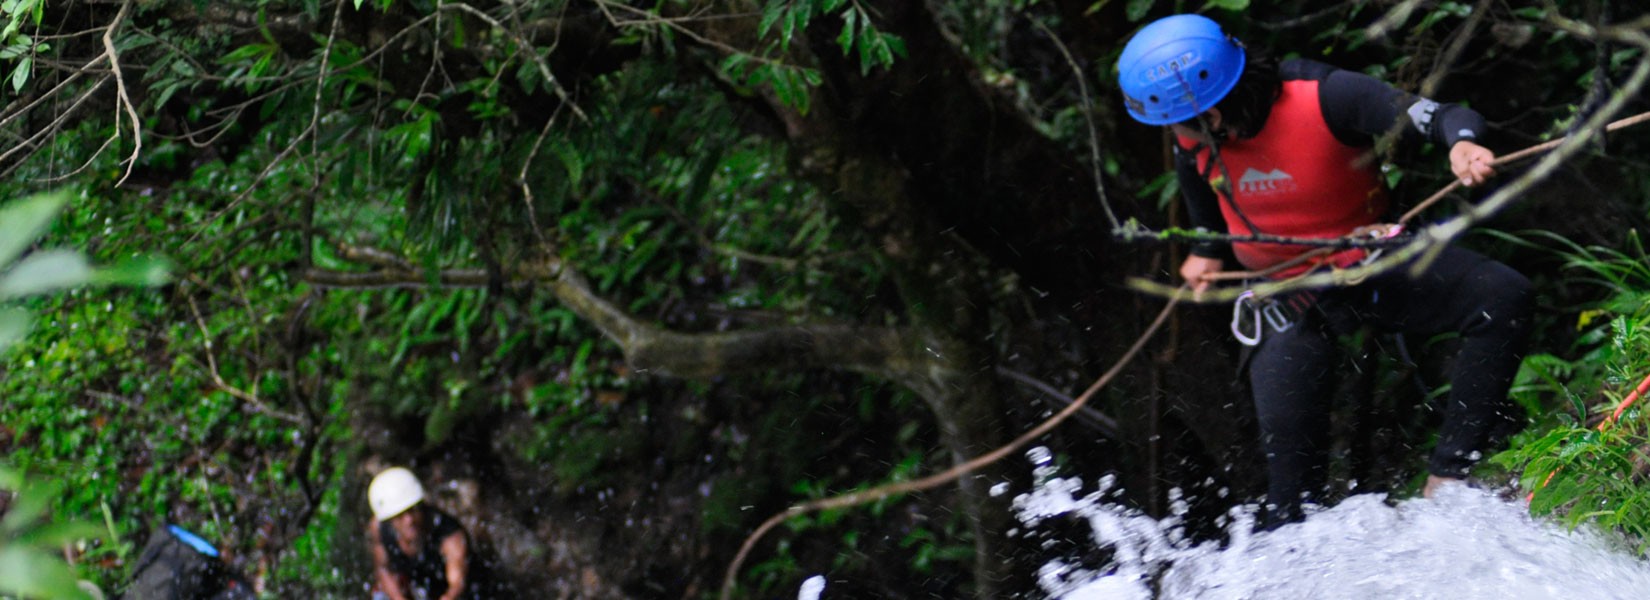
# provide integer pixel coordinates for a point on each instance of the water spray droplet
(811, 588)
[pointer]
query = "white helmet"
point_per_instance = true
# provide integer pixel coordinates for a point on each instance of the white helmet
(392, 492)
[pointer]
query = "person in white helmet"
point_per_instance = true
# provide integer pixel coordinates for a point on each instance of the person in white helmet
(418, 551)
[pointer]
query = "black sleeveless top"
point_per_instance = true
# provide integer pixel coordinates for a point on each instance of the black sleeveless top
(427, 569)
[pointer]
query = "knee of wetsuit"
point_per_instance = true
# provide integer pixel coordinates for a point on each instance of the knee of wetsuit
(1507, 301)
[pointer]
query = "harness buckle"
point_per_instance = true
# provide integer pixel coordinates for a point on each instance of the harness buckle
(1275, 317)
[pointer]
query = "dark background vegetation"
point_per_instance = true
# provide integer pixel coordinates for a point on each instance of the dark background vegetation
(622, 279)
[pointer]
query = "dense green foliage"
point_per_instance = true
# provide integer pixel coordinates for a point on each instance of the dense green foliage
(398, 228)
(31, 531)
(1585, 457)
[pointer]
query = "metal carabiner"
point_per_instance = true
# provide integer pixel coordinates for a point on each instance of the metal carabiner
(1246, 300)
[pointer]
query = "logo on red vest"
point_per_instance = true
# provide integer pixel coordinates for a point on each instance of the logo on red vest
(1274, 182)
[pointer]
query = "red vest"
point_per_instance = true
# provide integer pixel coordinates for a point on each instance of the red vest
(1295, 179)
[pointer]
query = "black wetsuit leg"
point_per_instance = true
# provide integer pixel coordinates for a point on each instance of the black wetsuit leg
(1291, 375)
(1490, 305)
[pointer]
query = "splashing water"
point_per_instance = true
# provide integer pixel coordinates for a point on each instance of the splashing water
(1465, 544)
(811, 588)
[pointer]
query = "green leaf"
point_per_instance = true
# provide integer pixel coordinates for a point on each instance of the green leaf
(23, 221)
(55, 535)
(10, 479)
(244, 53)
(734, 64)
(1233, 5)
(45, 271)
(27, 506)
(32, 572)
(14, 325)
(770, 15)
(20, 75)
(793, 22)
(136, 271)
(846, 38)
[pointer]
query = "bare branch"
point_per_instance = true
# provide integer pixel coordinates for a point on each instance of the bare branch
(889, 352)
(122, 98)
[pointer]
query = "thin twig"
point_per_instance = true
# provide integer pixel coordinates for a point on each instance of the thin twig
(691, 34)
(1088, 117)
(527, 187)
(19, 112)
(538, 61)
(52, 128)
(320, 86)
(221, 385)
(262, 175)
(122, 98)
(1456, 46)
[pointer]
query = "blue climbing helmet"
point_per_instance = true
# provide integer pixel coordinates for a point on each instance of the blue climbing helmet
(1177, 67)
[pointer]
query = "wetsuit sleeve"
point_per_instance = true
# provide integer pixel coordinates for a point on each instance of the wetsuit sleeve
(1358, 108)
(1202, 206)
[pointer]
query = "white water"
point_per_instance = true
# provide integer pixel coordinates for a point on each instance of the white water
(1465, 544)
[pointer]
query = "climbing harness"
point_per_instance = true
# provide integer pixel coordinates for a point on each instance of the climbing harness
(1252, 314)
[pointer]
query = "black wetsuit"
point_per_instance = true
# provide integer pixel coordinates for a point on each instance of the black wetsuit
(428, 569)
(1486, 302)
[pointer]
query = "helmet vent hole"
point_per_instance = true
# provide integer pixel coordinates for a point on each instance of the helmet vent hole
(1153, 98)
(1203, 74)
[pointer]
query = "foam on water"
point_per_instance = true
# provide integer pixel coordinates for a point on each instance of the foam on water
(1465, 544)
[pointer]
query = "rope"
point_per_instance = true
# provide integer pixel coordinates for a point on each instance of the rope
(1515, 157)
(1424, 204)
(1644, 387)
(949, 475)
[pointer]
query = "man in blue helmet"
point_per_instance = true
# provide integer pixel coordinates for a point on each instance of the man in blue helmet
(1286, 149)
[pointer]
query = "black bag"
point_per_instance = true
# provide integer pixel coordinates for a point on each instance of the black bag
(176, 565)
